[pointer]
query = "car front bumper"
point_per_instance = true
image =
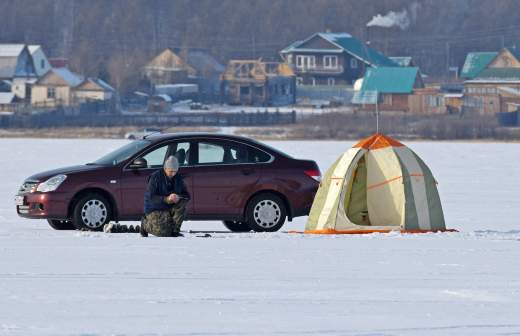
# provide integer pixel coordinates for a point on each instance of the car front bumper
(43, 205)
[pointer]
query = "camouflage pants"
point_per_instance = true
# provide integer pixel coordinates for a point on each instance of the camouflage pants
(165, 223)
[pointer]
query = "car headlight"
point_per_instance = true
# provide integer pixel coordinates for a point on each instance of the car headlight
(51, 184)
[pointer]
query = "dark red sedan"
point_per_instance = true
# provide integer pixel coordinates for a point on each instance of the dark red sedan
(246, 184)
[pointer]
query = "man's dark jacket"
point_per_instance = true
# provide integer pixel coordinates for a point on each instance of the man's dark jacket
(159, 187)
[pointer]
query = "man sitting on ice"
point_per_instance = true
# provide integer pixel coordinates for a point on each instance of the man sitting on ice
(165, 202)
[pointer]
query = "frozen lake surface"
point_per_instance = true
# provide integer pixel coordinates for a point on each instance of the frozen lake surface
(81, 283)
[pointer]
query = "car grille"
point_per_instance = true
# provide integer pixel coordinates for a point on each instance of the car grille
(28, 186)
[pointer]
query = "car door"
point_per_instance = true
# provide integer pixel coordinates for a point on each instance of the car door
(134, 181)
(221, 180)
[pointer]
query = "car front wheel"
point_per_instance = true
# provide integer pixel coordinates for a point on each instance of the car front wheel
(91, 212)
(266, 213)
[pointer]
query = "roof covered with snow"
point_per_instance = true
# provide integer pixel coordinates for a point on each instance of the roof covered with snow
(71, 78)
(11, 50)
(6, 97)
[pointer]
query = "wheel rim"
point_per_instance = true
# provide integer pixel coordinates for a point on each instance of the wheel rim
(267, 214)
(94, 213)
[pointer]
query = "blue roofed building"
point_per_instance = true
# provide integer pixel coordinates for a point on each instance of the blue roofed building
(332, 59)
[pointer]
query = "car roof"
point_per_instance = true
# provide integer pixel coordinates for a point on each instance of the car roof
(158, 137)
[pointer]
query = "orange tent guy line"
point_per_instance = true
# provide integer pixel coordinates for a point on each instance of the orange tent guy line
(384, 182)
(331, 231)
(393, 179)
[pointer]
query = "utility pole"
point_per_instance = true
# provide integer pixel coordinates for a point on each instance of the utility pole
(253, 43)
(448, 57)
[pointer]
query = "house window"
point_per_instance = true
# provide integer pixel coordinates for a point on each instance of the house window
(330, 62)
(299, 81)
(42, 64)
(289, 59)
(313, 81)
(387, 99)
(305, 62)
(51, 93)
(299, 61)
(331, 81)
(353, 63)
(435, 101)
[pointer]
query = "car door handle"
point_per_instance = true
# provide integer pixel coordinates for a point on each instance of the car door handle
(247, 171)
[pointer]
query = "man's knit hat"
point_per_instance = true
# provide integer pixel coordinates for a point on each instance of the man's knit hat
(171, 163)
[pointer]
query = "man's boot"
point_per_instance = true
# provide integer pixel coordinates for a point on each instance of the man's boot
(142, 231)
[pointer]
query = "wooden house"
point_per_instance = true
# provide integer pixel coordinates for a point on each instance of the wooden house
(492, 81)
(17, 66)
(392, 87)
(168, 68)
(253, 82)
(93, 89)
(56, 88)
(332, 59)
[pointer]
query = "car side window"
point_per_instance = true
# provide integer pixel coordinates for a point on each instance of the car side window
(181, 150)
(210, 153)
(257, 156)
(155, 158)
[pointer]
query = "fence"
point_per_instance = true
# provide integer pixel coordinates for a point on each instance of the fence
(59, 119)
(338, 93)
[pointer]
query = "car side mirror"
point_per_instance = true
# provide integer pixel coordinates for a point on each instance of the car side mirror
(139, 163)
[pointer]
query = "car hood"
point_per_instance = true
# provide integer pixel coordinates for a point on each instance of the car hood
(40, 177)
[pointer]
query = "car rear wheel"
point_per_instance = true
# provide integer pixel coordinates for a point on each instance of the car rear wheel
(91, 212)
(266, 213)
(235, 226)
(60, 224)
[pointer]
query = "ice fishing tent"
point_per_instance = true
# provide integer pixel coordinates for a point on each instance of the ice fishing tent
(379, 185)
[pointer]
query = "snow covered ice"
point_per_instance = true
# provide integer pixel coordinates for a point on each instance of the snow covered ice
(85, 283)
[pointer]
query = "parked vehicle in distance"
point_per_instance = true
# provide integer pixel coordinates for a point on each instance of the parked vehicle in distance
(244, 183)
(141, 134)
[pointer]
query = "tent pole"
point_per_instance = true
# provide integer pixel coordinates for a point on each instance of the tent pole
(377, 112)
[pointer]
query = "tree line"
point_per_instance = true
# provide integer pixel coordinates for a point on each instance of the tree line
(113, 38)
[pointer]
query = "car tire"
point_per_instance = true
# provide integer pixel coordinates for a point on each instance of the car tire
(266, 213)
(57, 224)
(91, 212)
(235, 226)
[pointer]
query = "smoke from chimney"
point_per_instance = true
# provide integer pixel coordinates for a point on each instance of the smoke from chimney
(401, 19)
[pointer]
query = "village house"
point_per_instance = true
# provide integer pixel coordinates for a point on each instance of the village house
(168, 68)
(61, 87)
(332, 59)
(398, 89)
(94, 89)
(56, 88)
(17, 69)
(492, 81)
(196, 67)
(253, 82)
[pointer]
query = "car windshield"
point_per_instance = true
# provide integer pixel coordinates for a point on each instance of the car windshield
(123, 153)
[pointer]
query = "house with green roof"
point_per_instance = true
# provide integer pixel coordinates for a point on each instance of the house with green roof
(332, 59)
(398, 89)
(492, 81)
(476, 62)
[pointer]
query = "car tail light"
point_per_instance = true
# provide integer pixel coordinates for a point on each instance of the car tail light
(315, 174)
